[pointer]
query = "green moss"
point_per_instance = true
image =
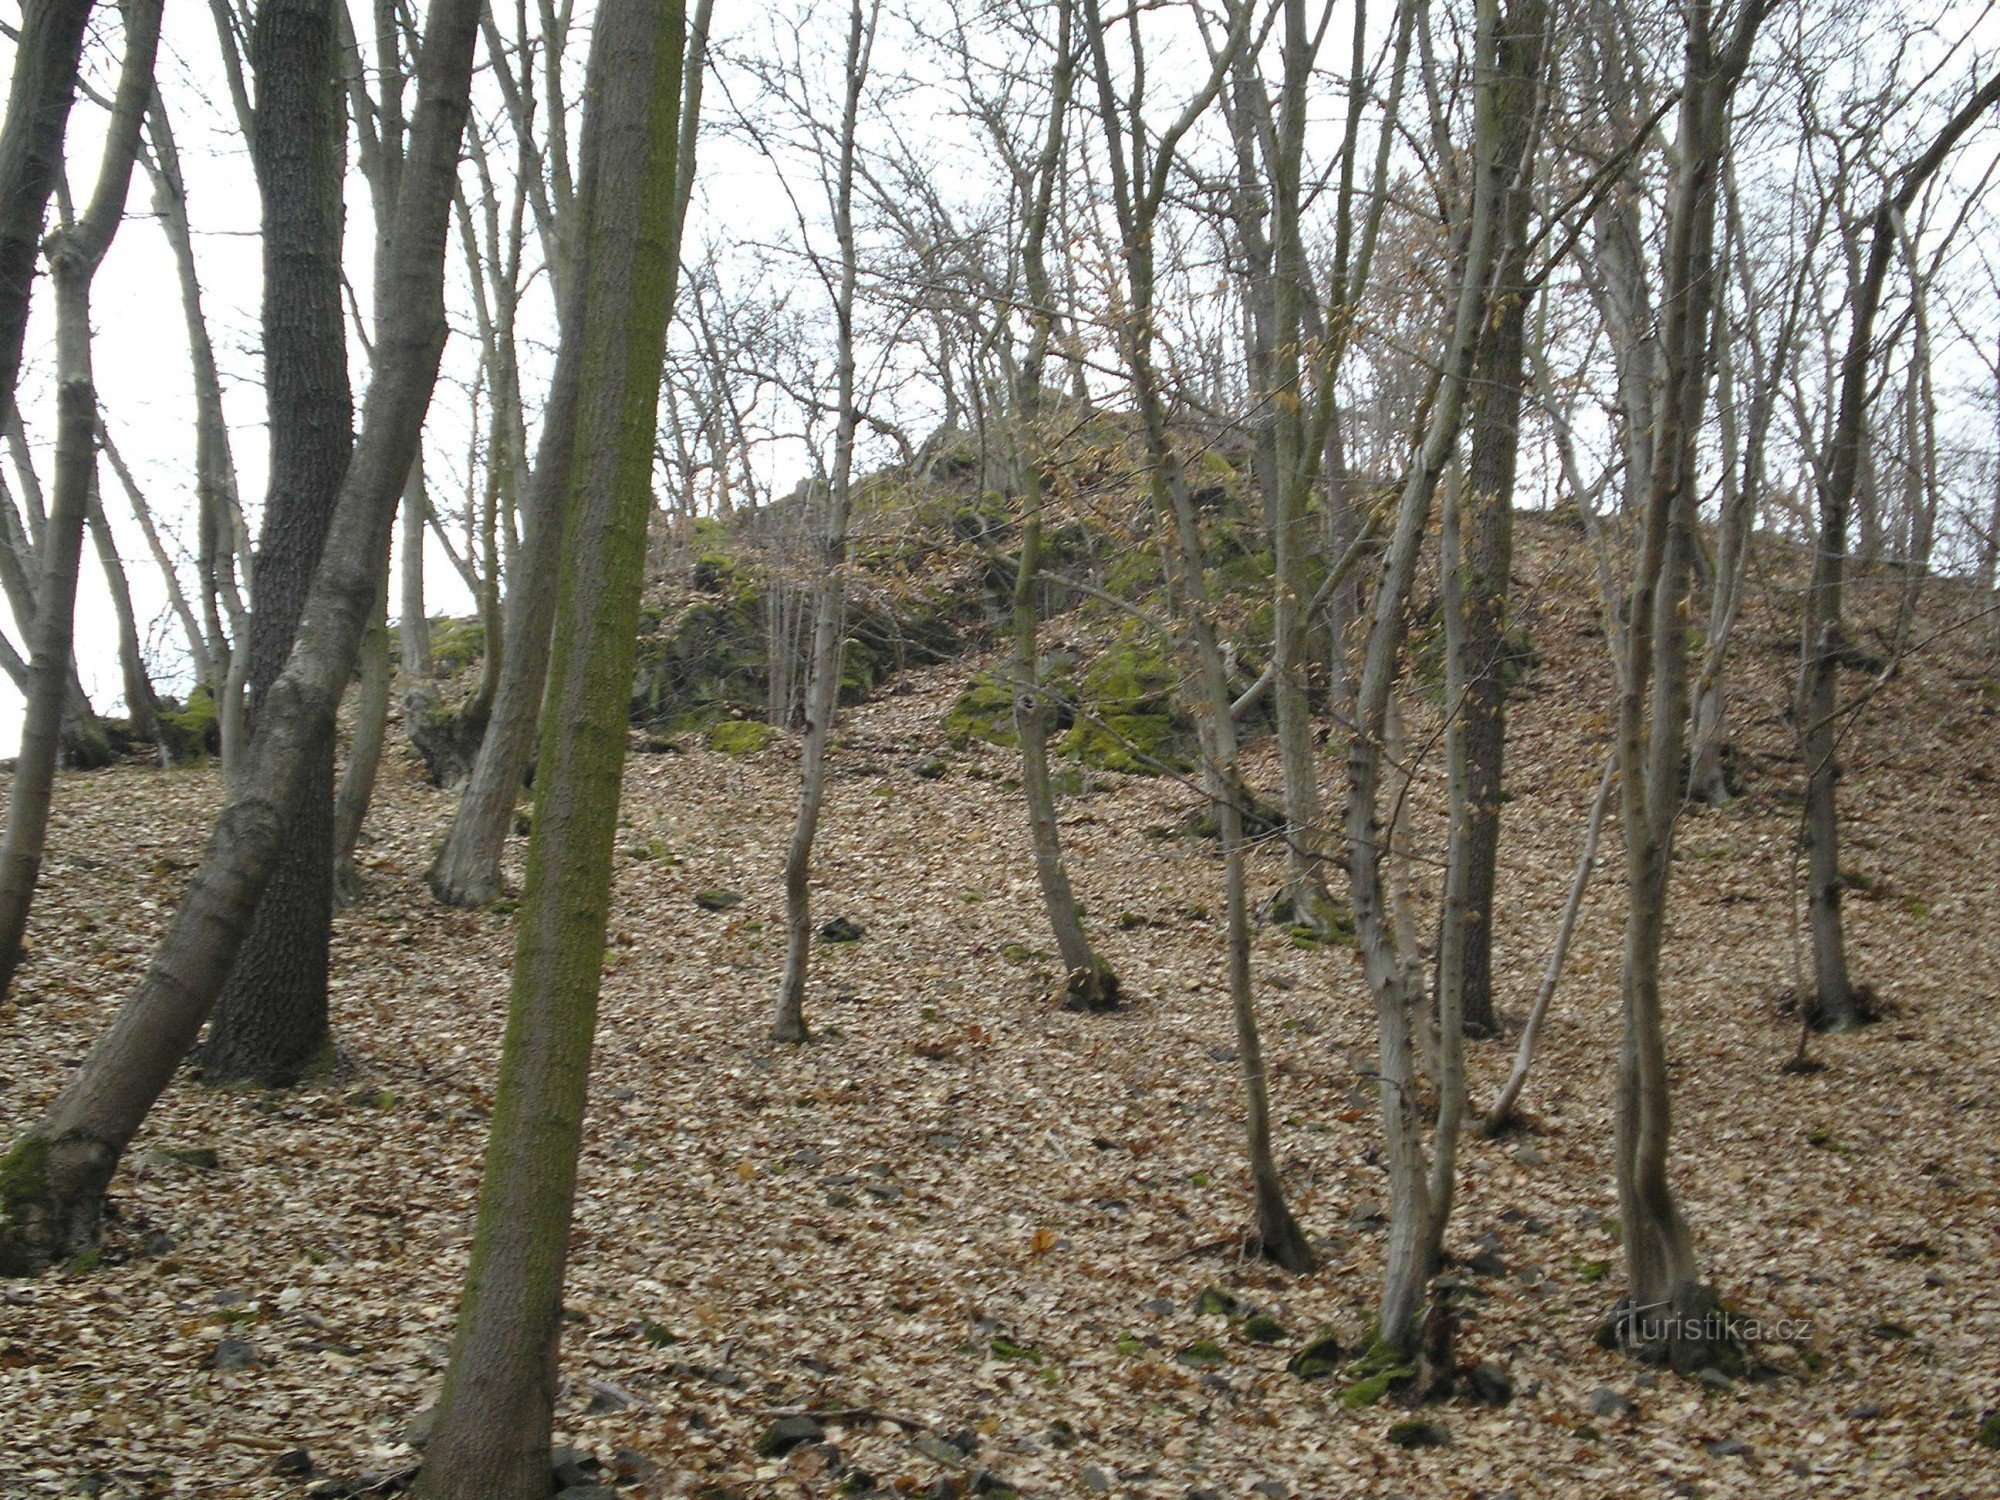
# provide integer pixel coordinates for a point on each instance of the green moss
(192, 732)
(1989, 1431)
(1372, 1388)
(1008, 1349)
(983, 711)
(24, 1174)
(1203, 1354)
(457, 644)
(739, 736)
(1318, 1359)
(1127, 719)
(1417, 1433)
(1262, 1328)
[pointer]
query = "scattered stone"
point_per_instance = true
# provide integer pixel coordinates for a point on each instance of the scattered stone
(1866, 1412)
(589, 1492)
(1989, 1430)
(1159, 1307)
(1095, 1480)
(294, 1463)
(886, 1192)
(1318, 1359)
(1528, 1154)
(330, 1489)
(1605, 1402)
(572, 1467)
(718, 900)
(234, 1354)
(417, 1431)
(931, 768)
(841, 930)
(1367, 1215)
(1214, 1302)
(1486, 1263)
(1486, 1382)
(1727, 1448)
(1713, 1379)
(201, 1158)
(1417, 1433)
(1271, 1489)
(936, 1449)
(1262, 1328)
(1202, 1354)
(787, 1433)
(606, 1397)
(630, 1466)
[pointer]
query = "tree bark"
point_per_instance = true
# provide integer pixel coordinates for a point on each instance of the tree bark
(53, 1180)
(492, 1437)
(829, 607)
(270, 1025)
(1476, 744)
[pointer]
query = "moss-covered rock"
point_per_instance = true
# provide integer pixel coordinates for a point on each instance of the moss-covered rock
(739, 736)
(983, 711)
(192, 731)
(1127, 716)
(456, 644)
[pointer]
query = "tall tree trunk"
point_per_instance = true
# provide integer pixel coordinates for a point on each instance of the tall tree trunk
(53, 1179)
(140, 704)
(271, 1022)
(1670, 1307)
(31, 155)
(1476, 745)
(1837, 1002)
(1091, 984)
(75, 253)
(1138, 189)
(492, 1439)
(788, 1022)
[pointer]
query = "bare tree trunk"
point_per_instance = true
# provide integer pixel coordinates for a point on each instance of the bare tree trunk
(1139, 187)
(1476, 746)
(1837, 1002)
(75, 252)
(270, 1024)
(364, 755)
(1502, 1114)
(823, 687)
(492, 1438)
(53, 1180)
(140, 704)
(1669, 1306)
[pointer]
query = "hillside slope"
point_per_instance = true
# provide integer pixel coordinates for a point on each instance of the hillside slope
(969, 1223)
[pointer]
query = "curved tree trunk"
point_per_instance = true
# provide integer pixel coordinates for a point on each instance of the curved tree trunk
(53, 1179)
(364, 756)
(271, 1022)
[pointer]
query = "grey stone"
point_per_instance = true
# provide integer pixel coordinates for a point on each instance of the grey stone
(234, 1354)
(787, 1433)
(1605, 1402)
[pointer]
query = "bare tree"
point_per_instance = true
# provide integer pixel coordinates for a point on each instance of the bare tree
(53, 1179)
(75, 252)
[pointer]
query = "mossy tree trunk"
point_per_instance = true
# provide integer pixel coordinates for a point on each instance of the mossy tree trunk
(53, 1180)
(75, 253)
(270, 1025)
(492, 1436)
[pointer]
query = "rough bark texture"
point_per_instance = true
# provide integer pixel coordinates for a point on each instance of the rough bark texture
(271, 1022)
(31, 153)
(492, 1438)
(53, 1180)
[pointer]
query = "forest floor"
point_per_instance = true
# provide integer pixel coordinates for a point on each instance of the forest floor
(964, 1219)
